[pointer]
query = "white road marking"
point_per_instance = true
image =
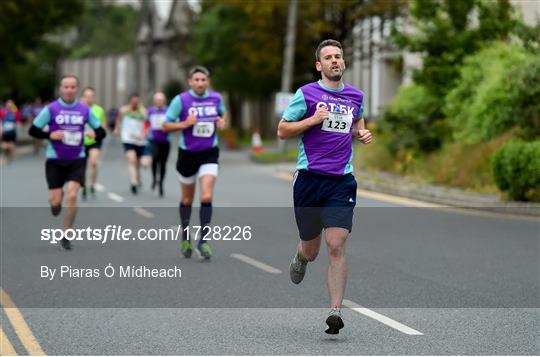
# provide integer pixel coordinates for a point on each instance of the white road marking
(117, 198)
(99, 187)
(381, 318)
(267, 268)
(141, 211)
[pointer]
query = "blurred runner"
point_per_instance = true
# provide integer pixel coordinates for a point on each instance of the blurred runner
(159, 140)
(10, 117)
(131, 125)
(327, 115)
(66, 118)
(196, 114)
(91, 146)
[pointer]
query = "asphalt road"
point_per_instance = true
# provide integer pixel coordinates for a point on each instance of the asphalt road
(421, 280)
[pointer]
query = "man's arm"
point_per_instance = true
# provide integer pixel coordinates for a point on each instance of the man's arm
(171, 124)
(292, 123)
(287, 129)
(361, 133)
(118, 122)
(95, 124)
(36, 130)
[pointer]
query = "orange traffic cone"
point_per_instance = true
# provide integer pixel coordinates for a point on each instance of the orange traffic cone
(256, 142)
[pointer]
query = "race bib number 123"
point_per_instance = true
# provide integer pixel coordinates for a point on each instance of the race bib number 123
(337, 123)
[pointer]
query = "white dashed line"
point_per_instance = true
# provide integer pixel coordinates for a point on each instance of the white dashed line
(267, 268)
(117, 198)
(381, 318)
(141, 211)
(99, 187)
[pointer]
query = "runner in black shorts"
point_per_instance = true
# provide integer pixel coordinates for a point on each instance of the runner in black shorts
(92, 147)
(327, 114)
(196, 114)
(131, 124)
(159, 140)
(10, 117)
(66, 118)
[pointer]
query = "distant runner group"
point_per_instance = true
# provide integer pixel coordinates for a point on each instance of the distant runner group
(327, 115)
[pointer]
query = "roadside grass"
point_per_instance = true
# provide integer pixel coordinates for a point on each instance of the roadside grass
(458, 165)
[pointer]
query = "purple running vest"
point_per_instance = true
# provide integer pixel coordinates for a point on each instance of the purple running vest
(72, 121)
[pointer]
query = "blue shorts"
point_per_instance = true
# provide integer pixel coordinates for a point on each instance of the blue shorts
(322, 201)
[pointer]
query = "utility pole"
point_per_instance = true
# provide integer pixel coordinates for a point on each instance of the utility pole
(288, 56)
(147, 50)
(150, 52)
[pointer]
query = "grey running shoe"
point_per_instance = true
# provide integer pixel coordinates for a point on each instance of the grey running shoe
(334, 321)
(297, 268)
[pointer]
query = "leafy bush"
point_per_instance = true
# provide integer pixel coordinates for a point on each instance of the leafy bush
(414, 120)
(498, 89)
(516, 168)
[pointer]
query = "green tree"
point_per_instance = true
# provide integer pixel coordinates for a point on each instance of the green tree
(242, 41)
(27, 57)
(485, 104)
(105, 28)
(444, 32)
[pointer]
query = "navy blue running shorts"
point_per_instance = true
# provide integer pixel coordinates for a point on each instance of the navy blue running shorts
(322, 201)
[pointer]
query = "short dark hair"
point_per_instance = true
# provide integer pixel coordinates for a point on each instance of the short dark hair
(325, 43)
(69, 76)
(89, 88)
(134, 94)
(199, 69)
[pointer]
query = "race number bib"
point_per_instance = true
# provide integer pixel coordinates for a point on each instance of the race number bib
(337, 123)
(134, 129)
(72, 138)
(9, 126)
(156, 120)
(203, 129)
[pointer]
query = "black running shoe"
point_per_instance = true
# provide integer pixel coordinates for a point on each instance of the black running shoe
(55, 210)
(134, 189)
(66, 244)
(334, 322)
(83, 193)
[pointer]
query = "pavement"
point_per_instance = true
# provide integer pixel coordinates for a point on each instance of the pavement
(423, 280)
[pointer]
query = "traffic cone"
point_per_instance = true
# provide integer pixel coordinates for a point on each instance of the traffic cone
(256, 142)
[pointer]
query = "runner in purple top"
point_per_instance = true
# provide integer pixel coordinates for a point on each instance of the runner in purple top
(326, 115)
(159, 140)
(66, 118)
(197, 114)
(10, 118)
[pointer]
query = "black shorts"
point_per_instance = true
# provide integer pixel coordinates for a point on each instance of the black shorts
(322, 201)
(140, 150)
(58, 172)
(9, 136)
(189, 162)
(95, 145)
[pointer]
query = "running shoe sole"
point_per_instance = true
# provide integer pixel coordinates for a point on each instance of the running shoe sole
(66, 244)
(335, 323)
